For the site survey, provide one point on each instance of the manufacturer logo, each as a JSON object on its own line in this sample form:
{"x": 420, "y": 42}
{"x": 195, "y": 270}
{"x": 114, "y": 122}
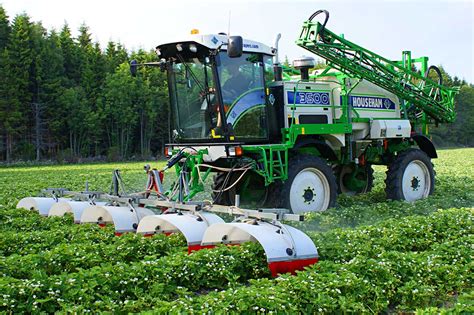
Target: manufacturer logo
{"x": 371, "y": 102}
{"x": 255, "y": 46}
{"x": 271, "y": 99}
{"x": 214, "y": 40}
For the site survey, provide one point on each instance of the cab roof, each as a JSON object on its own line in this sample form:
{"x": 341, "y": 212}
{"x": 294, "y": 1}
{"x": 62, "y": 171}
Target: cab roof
{"x": 211, "y": 42}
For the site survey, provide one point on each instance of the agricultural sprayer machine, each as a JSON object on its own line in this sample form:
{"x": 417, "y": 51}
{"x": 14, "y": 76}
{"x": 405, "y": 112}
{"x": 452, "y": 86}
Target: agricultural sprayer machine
{"x": 280, "y": 141}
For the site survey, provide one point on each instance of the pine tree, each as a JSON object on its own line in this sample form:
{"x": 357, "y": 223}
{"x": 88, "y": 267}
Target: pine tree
{"x": 9, "y": 108}
{"x": 37, "y": 78}
{"x": 4, "y": 28}
{"x": 70, "y": 53}
{"x": 119, "y": 109}
{"x": 93, "y": 71}
{"x": 4, "y": 82}
{"x": 65, "y": 96}
{"x": 19, "y": 77}
{"x": 116, "y": 54}
{"x": 50, "y": 77}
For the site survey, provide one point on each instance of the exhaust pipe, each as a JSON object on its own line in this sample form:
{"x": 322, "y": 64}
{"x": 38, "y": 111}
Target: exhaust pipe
{"x": 277, "y": 69}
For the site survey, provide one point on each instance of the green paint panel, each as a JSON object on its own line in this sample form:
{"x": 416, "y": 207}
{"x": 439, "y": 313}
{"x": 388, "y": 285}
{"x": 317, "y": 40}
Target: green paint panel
{"x": 320, "y": 129}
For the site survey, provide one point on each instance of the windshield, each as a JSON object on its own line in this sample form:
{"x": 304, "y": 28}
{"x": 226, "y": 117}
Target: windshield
{"x": 242, "y": 85}
{"x": 196, "y": 103}
{"x": 193, "y": 99}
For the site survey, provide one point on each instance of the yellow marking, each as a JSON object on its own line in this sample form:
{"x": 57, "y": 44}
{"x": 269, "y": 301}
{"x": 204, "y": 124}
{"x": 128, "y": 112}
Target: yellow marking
{"x": 213, "y": 134}
{"x": 295, "y": 120}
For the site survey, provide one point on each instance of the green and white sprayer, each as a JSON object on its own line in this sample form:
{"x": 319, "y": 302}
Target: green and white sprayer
{"x": 280, "y": 141}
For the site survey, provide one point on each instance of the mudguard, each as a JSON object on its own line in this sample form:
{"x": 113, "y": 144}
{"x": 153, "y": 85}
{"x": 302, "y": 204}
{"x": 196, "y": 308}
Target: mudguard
{"x": 192, "y": 226}
{"x": 40, "y": 204}
{"x": 75, "y": 207}
{"x": 124, "y": 219}
{"x": 287, "y": 249}
{"x": 425, "y": 145}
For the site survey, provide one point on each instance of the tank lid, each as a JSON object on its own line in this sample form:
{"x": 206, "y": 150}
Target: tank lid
{"x": 304, "y": 62}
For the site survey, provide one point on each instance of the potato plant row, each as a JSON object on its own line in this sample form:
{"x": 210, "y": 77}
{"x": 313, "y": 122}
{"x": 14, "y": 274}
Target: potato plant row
{"x": 103, "y": 287}
{"x": 32, "y": 241}
{"x": 154, "y": 279}
{"x": 22, "y": 220}
{"x": 394, "y": 280}
{"x": 70, "y": 257}
{"x": 415, "y": 233}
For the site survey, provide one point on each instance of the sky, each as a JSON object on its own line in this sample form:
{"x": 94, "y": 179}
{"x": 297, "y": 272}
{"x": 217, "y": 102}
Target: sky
{"x": 441, "y": 30}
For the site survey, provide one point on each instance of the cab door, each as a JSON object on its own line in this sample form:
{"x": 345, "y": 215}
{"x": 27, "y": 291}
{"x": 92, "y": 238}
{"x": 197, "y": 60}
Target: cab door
{"x": 242, "y": 86}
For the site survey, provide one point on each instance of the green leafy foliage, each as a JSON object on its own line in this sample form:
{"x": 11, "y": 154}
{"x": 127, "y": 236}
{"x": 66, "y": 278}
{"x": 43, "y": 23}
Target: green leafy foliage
{"x": 55, "y": 90}
{"x": 415, "y": 234}
{"x": 70, "y": 256}
{"x": 396, "y": 277}
{"x": 150, "y": 277}
{"x": 375, "y": 256}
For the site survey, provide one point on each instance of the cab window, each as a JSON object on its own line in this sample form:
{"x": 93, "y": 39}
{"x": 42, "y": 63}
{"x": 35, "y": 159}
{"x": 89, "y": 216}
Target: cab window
{"x": 242, "y": 86}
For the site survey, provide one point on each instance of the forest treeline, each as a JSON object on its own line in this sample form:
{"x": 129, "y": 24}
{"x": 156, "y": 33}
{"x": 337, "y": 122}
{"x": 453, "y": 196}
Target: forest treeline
{"x": 65, "y": 98}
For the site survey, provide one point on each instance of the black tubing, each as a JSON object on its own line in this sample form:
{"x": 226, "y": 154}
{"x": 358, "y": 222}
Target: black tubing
{"x": 436, "y": 69}
{"x": 319, "y": 12}
{"x": 324, "y": 23}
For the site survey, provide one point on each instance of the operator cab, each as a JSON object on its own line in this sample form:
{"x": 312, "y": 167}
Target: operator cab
{"x": 218, "y": 96}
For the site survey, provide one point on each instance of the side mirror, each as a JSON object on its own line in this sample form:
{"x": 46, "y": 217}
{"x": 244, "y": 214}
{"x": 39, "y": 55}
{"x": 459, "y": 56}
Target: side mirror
{"x": 133, "y": 68}
{"x": 235, "y": 46}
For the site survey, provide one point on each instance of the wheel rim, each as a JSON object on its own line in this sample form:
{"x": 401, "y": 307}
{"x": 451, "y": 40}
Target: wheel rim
{"x": 416, "y": 181}
{"x": 309, "y": 191}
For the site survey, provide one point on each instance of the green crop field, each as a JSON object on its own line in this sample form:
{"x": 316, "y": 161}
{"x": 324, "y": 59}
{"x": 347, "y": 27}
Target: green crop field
{"x": 376, "y": 256}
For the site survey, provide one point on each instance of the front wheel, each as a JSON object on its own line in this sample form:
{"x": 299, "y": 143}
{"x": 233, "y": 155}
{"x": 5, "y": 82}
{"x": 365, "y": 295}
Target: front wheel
{"x": 311, "y": 185}
{"x": 410, "y": 176}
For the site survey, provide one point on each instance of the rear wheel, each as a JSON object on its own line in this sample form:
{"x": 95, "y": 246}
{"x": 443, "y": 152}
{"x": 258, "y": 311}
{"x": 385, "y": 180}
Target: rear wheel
{"x": 311, "y": 185}
{"x": 410, "y": 177}
{"x": 354, "y": 179}
{"x": 251, "y": 188}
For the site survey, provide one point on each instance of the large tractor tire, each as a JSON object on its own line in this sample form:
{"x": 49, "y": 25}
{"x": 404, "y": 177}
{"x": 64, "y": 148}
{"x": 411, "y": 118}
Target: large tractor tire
{"x": 311, "y": 185}
{"x": 251, "y": 188}
{"x": 351, "y": 184}
{"x": 410, "y": 176}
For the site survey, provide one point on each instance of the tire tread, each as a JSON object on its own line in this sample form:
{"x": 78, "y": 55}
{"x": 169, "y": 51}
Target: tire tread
{"x": 393, "y": 180}
{"x": 296, "y": 164}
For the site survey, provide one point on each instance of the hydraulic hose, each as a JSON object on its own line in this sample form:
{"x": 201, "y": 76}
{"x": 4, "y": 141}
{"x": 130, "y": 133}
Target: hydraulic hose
{"x": 321, "y": 30}
{"x": 440, "y": 81}
{"x": 438, "y": 72}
